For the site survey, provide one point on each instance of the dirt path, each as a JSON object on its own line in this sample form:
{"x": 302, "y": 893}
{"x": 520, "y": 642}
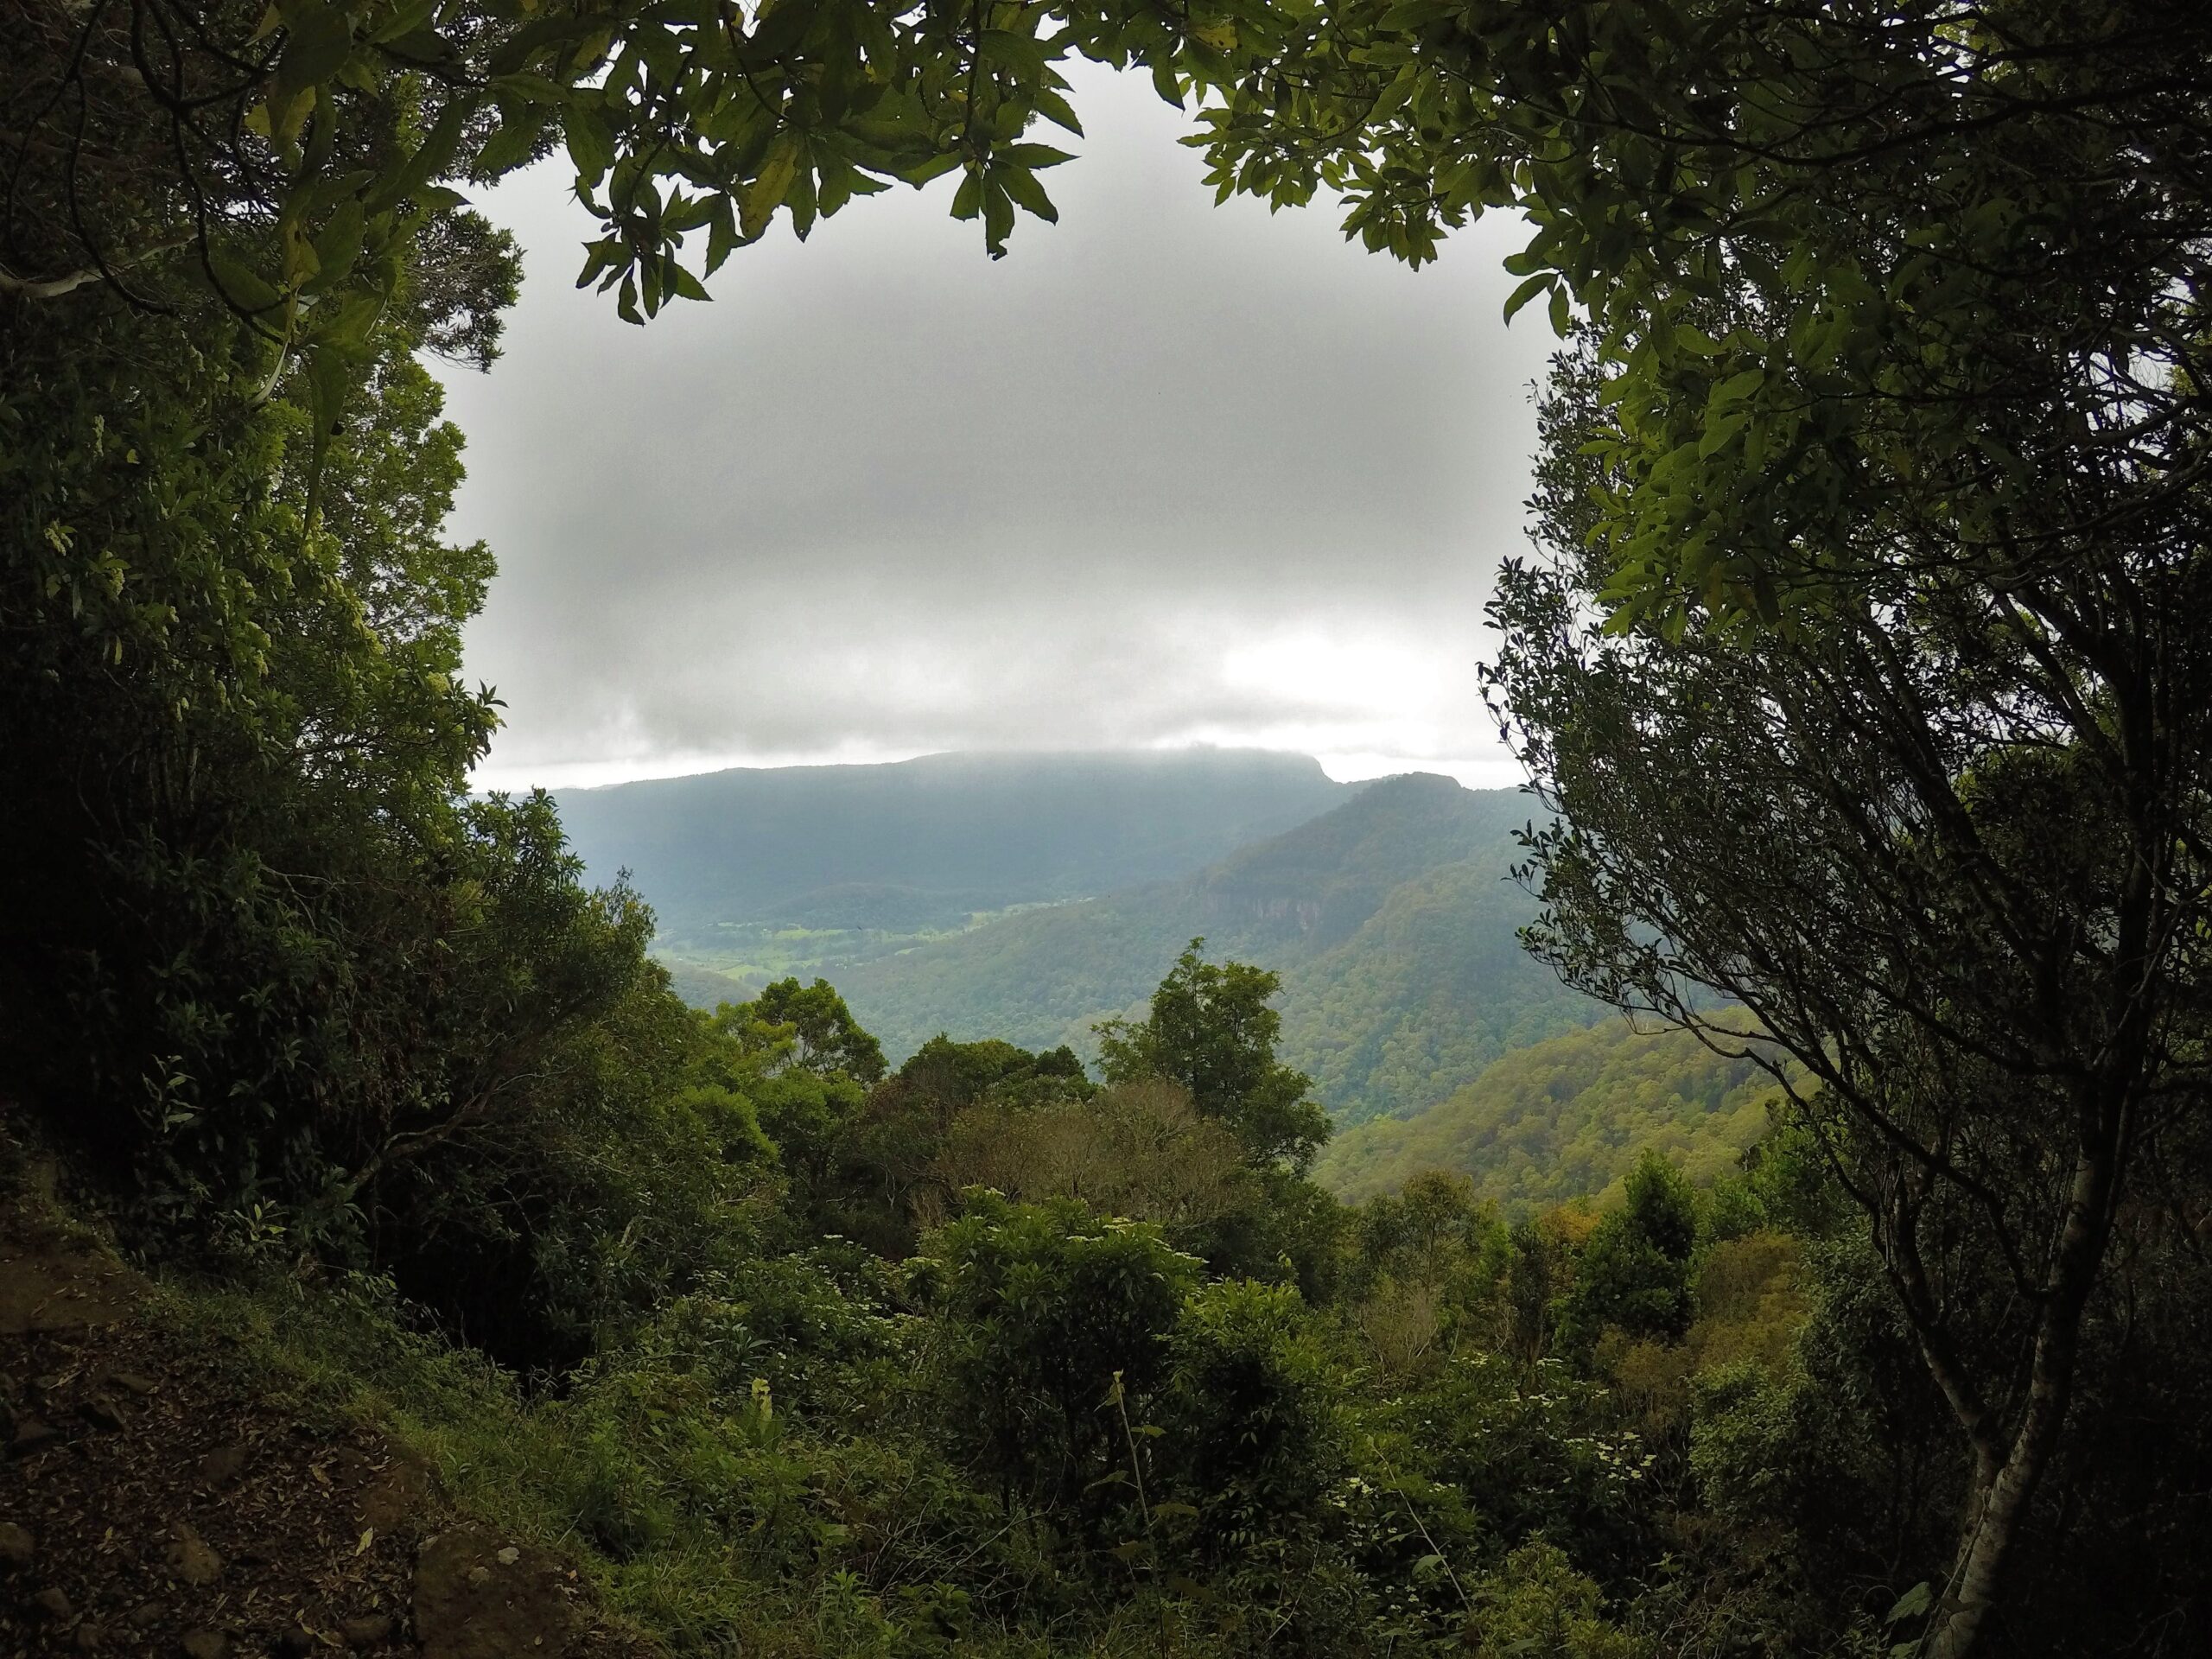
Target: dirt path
{"x": 150, "y": 1504}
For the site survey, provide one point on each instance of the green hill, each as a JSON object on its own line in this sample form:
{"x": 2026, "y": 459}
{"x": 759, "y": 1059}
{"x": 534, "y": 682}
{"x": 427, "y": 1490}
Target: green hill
{"x": 1391, "y": 919}
{"x": 1564, "y": 1118}
{"x": 922, "y": 846}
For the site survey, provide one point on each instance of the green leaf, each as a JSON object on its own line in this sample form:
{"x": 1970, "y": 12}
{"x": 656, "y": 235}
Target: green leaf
{"x": 1526, "y": 292}
{"x": 936, "y": 167}
{"x": 1032, "y": 155}
{"x": 318, "y": 39}
{"x": 1057, "y": 109}
{"x": 998, "y": 218}
{"x": 1736, "y": 388}
{"x": 968, "y": 200}
{"x": 1911, "y": 1605}
{"x": 242, "y": 285}
{"x": 758, "y": 205}
{"x": 525, "y": 89}
{"x": 1020, "y": 52}
{"x": 1719, "y": 430}
{"x": 432, "y": 156}
{"x": 591, "y": 145}
{"x": 345, "y": 323}
{"x": 721, "y": 237}
{"x": 338, "y": 245}
{"x": 1027, "y": 193}
{"x": 510, "y": 147}
{"x": 779, "y": 26}
{"x": 683, "y": 284}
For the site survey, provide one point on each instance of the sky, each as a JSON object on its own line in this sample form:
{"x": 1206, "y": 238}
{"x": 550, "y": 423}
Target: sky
{"x": 1169, "y": 473}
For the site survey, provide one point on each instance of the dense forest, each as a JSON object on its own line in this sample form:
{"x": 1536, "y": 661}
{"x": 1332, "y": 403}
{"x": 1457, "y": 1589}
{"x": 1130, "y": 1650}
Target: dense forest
{"x": 1859, "y": 663}
{"x": 1568, "y": 1118}
{"x": 1393, "y": 919}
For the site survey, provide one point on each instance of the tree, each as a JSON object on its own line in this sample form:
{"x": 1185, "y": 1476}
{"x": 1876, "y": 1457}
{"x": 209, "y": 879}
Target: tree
{"x": 1945, "y": 838}
{"x": 282, "y": 163}
{"x": 1956, "y": 299}
{"x": 828, "y": 1041}
{"x": 1253, "y": 1410}
{"x": 1634, "y": 1275}
{"x": 785, "y": 1054}
{"x": 1057, "y": 1320}
{"x": 1962, "y": 257}
{"x": 1137, "y": 1149}
{"x": 258, "y": 945}
{"x": 1209, "y": 1029}
{"x": 1897, "y": 508}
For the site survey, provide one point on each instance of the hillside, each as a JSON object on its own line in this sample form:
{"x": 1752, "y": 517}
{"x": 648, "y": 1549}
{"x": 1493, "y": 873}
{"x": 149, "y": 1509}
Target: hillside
{"x": 1565, "y": 1117}
{"x": 1391, "y": 919}
{"x": 923, "y": 845}
{"x": 174, "y": 1487}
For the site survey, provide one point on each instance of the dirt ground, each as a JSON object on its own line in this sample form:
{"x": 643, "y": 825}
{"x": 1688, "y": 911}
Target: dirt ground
{"x": 152, "y": 1504}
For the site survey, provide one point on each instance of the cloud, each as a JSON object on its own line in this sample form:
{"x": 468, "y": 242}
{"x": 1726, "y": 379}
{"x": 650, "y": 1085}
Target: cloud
{"x": 1168, "y": 473}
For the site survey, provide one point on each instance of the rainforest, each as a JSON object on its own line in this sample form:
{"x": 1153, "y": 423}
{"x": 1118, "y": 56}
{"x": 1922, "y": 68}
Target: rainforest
{"x": 1743, "y": 1189}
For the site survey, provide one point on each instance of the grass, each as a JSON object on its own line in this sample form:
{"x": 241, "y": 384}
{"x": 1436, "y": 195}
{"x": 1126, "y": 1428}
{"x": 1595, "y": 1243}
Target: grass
{"x": 700, "y": 1524}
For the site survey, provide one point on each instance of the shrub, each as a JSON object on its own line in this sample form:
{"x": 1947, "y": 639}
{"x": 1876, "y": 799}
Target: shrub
{"x": 1252, "y": 1412}
{"x": 1049, "y": 1310}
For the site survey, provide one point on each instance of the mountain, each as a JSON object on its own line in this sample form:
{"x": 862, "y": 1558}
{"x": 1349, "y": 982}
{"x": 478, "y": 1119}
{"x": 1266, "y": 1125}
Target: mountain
{"x": 924, "y": 845}
{"x": 1391, "y": 918}
{"x": 1566, "y": 1118}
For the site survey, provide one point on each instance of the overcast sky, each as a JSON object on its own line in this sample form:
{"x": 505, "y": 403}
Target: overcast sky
{"x": 1168, "y": 474}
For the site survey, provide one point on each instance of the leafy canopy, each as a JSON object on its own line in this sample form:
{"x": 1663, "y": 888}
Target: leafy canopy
{"x": 1209, "y": 1029}
{"x": 1954, "y": 251}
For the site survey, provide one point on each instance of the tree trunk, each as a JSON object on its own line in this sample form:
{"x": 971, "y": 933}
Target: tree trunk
{"x": 2002, "y": 1491}
{"x": 1977, "y": 1578}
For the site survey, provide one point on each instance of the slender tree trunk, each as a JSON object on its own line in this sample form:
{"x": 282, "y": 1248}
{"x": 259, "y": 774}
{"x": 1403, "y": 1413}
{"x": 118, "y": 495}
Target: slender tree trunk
{"x": 1977, "y": 1579}
{"x": 2005, "y": 1487}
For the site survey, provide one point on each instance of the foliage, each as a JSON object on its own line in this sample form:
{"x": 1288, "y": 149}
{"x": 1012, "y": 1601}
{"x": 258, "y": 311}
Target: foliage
{"x": 1975, "y": 1063}
{"x": 1209, "y": 1028}
{"x": 1057, "y": 1325}
{"x": 1253, "y": 1414}
{"x": 1565, "y": 1119}
{"x": 1861, "y": 675}
{"x": 1137, "y": 1149}
{"x": 1536, "y": 1603}
{"x": 257, "y": 937}
{"x": 828, "y": 1041}
{"x": 1634, "y": 1274}
{"x": 1390, "y": 917}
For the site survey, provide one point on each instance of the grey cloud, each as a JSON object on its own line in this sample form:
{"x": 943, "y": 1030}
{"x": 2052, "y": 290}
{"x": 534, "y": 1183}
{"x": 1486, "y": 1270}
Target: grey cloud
{"x": 885, "y": 494}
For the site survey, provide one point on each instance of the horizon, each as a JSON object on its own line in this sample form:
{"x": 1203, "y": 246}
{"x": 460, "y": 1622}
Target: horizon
{"x": 1477, "y": 773}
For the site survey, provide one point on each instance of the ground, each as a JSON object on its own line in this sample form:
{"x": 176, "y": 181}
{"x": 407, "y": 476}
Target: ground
{"x": 157, "y": 1498}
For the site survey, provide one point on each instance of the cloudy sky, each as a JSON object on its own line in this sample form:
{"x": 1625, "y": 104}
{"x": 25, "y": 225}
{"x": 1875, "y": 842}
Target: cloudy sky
{"x": 1168, "y": 474}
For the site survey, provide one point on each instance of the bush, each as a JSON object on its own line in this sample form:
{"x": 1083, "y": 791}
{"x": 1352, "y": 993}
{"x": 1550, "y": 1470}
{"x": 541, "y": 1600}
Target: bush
{"x": 1056, "y": 1321}
{"x": 1537, "y": 1607}
{"x": 1253, "y": 1413}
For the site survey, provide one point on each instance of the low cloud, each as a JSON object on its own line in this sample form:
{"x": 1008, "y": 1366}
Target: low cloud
{"x": 1168, "y": 473}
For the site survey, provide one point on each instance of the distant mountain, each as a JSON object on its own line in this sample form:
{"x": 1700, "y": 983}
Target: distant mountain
{"x": 1566, "y": 1119}
{"x": 924, "y": 845}
{"x": 1390, "y": 917}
